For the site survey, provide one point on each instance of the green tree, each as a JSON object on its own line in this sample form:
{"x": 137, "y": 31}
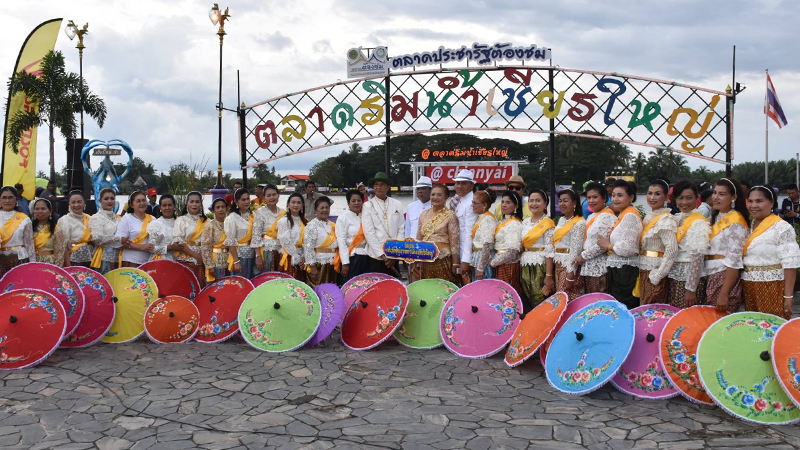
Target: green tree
{"x": 59, "y": 95}
{"x": 263, "y": 174}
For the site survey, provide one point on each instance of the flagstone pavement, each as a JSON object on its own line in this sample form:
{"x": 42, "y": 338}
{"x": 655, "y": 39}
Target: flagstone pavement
{"x": 229, "y": 396}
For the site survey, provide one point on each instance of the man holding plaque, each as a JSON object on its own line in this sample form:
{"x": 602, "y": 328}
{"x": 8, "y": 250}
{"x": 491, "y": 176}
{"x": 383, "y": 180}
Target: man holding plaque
{"x": 382, "y": 220}
{"x": 413, "y": 211}
{"x": 461, "y": 204}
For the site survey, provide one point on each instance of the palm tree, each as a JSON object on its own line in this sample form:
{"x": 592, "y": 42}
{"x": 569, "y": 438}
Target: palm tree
{"x": 59, "y": 95}
{"x": 355, "y": 148}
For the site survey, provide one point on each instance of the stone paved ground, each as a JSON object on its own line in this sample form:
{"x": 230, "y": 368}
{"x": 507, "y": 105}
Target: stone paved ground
{"x": 230, "y": 396}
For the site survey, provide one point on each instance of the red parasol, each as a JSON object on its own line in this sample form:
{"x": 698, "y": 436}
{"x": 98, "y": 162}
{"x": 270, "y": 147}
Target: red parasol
{"x": 374, "y": 316}
{"x": 171, "y": 320}
{"x": 172, "y": 278}
{"x": 262, "y": 278}
{"x": 219, "y": 304}
{"x": 25, "y": 314}
{"x": 100, "y": 308}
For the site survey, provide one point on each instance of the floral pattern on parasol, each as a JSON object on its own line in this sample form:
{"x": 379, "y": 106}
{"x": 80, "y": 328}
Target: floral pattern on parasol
{"x": 583, "y": 374}
{"x": 4, "y": 357}
{"x": 683, "y": 365}
{"x": 65, "y": 287}
{"x": 40, "y": 301}
{"x": 590, "y": 314}
{"x": 755, "y": 402}
{"x": 139, "y": 284}
{"x": 652, "y": 379}
{"x": 450, "y": 323}
{"x": 388, "y": 318}
{"x": 259, "y": 331}
{"x": 213, "y": 329}
{"x": 508, "y": 308}
{"x": 768, "y": 326}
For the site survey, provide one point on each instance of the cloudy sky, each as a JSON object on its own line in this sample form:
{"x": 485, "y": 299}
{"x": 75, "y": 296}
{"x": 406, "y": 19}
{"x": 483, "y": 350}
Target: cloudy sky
{"x": 156, "y": 62}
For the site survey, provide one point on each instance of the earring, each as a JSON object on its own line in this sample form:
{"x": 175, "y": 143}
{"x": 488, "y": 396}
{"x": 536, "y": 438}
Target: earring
{"x": 733, "y": 204}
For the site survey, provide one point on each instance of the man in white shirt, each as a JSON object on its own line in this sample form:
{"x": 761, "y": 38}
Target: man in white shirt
{"x": 423, "y": 202}
{"x": 382, "y": 220}
{"x": 461, "y": 204}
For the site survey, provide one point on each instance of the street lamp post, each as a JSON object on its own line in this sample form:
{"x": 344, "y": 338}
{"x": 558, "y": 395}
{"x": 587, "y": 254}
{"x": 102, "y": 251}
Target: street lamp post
{"x": 218, "y": 17}
{"x": 72, "y": 30}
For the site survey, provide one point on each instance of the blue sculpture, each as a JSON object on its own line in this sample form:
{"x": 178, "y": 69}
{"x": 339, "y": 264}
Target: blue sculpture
{"x": 105, "y": 176}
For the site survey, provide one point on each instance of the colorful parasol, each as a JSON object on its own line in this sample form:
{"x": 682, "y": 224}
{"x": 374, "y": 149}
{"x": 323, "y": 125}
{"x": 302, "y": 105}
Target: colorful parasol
{"x": 480, "y": 318}
{"x": 573, "y": 306}
{"x": 280, "y": 315}
{"x": 420, "y": 327}
{"x": 357, "y": 285}
{"x": 590, "y": 347}
{"x": 785, "y": 354}
{"x": 99, "y": 311}
{"x": 172, "y": 278}
{"x": 32, "y": 324}
{"x": 171, "y": 320}
{"x": 219, "y": 304}
{"x": 642, "y": 374}
{"x": 331, "y": 303}
{"x": 535, "y": 328}
{"x": 733, "y": 360}
{"x": 375, "y": 315}
{"x": 678, "y": 349}
{"x": 53, "y": 280}
{"x": 262, "y": 278}
{"x": 134, "y": 291}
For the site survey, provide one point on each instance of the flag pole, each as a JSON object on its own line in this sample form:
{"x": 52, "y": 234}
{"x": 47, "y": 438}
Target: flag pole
{"x": 766, "y": 128}
{"x": 797, "y": 169}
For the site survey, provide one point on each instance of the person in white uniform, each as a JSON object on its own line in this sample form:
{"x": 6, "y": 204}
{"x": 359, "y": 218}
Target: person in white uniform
{"x": 382, "y": 219}
{"x": 414, "y": 209}
{"x": 461, "y": 204}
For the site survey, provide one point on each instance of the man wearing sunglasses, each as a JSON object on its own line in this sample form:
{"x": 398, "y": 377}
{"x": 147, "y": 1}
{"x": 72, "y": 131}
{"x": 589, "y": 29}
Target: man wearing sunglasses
{"x": 517, "y": 184}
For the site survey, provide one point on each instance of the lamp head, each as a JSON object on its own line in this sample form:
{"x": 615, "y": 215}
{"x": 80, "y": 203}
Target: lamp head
{"x": 214, "y": 14}
{"x": 71, "y": 30}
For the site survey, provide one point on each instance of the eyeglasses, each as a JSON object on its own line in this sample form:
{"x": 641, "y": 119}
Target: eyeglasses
{"x": 6, "y": 198}
{"x": 514, "y": 187}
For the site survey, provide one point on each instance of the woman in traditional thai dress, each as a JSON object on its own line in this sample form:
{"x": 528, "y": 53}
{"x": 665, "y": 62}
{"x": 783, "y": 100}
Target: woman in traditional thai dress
{"x": 187, "y": 232}
{"x": 536, "y": 262}
{"x": 75, "y": 241}
{"x": 44, "y": 227}
{"x": 622, "y": 244}
{"x": 320, "y": 245}
{"x": 103, "y": 225}
{"x": 291, "y": 229}
{"x": 352, "y": 257}
{"x": 729, "y": 230}
{"x": 132, "y": 230}
{"x": 771, "y": 257}
{"x": 265, "y": 231}
{"x": 508, "y": 240}
{"x": 592, "y": 259}
{"x": 483, "y": 235}
{"x": 16, "y": 235}
{"x": 568, "y": 244}
{"x": 160, "y": 230}
{"x": 439, "y": 225}
{"x": 239, "y": 233}
{"x": 658, "y": 245}
{"x": 686, "y": 285}
{"x": 212, "y": 242}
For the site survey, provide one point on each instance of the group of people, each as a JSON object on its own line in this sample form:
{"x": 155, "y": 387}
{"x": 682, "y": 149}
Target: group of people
{"x": 744, "y": 252}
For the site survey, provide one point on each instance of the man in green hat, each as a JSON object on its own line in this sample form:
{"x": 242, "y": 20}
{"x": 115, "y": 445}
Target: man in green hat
{"x": 382, "y": 220}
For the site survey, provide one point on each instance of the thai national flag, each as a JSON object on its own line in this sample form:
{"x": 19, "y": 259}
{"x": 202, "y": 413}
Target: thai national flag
{"x": 773, "y": 107}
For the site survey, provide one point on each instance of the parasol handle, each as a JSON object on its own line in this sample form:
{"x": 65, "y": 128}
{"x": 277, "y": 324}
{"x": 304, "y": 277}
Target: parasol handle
{"x": 364, "y": 304}
{"x": 474, "y": 308}
{"x": 114, "y": 299}
{"x": 12, "y": 319}
{"x": 578, "y": 336}
{"x": 171, "y": 314}
{"x": 522, "y": 316}
{"x": 277, "y": 305}
{"x": 211, "y": 299}
{"x": 422, "y": 303}
{"x": 650, "y": 337}
{"x": 765, "y": 356}
{"x": 162, "y": 296}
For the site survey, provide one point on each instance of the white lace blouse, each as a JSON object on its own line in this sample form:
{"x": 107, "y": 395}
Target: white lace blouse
{"x": 160, "y": 235}
{"x": 729, "y": 243}
{"x": 263, "y": 220}
{"x": 532, "y": 258}
{"x": 507, "y": 243}
{"x": 103, "y": 225}
{"x": 688, "y": 265}
{"x": 347, "y": 226}
{"x": 288, "y": 238}
{"x": 236, "y": 226}
{"x": 777, "y": 247}
{"x": 71, "y": 228}
{"x": 316, "y": 233}
{"x": 22, "y": 236}
{"x": 625, "y": 242}
{"x": 662, "y": 238}
{"x": 484, "y": 236}
{"x": 181, "y": 233}
{"x": 573, "y": 242}
{"x": 594, "y": 256}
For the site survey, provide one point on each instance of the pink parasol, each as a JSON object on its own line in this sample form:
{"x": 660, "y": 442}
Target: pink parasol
{"x": 331, "y": 303}
{"x": 642, "y": 374}
{"x": 100, "y": 308}
{"x": 262, "y": 278}
{"x": 357, "y": 285}
{"x": 172, "y": 278}
{"x": 480, "y": 318}
{"x": 572, "y": 307}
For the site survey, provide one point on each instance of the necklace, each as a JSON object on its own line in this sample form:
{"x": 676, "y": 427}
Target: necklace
{"x": 384, "y": 208}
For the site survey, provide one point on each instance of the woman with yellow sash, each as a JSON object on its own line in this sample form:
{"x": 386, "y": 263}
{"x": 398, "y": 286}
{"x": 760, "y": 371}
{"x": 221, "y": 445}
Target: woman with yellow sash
{"x": 239, "y": 232}
{"x": 291, "y": 228}
{"x": 320, "y": 245}
{"x": 44, "y": 227}
{"x": 265, "y": 231}
{"x": 568, "y": 243}
{"x": 16, "y": 235}
{"x": 508, "y": 240}
{"x": 103, "y": 225}
{"x": 352, "y": 258}
{"x": 686, "y": 285}
{"x": 160, "y": 230}
{"x": 771, "y": 257}
{"x": 482, "y": 235}
{"x": 186, "y": 234}
{"x": 658, "y": 245}
{"x": 729, "y": 230}
{"x": 439, "y": 225}
{"x": 592, "y": 259}
{"x": 536, "y": 263}
{"x": 75, "y": 237}
{"x": 622, "y": 244}
{"x": 132, "y": 230}
{"x": 212, "y": 242}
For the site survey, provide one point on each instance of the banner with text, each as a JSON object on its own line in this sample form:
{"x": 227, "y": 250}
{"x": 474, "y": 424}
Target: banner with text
{"x": 483, "y": 174}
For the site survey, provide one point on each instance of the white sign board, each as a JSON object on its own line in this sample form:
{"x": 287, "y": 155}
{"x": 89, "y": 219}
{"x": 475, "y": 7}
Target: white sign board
{"x": 360, "y": 66}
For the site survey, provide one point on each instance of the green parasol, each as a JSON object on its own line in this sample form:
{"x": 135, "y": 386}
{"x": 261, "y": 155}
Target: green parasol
{"x": 280, "y": 315}
{"x": 735, "y": 367}
{"x": 420, "y": 327}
